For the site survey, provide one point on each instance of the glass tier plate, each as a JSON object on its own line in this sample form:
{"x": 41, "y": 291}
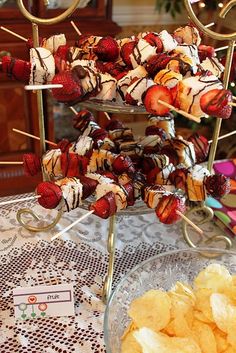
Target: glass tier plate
{"x": 139, "y": 208}
{"x": 112, "y": 107}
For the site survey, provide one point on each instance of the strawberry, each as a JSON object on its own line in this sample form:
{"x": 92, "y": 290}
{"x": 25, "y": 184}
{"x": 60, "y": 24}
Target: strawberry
{"x": 73, "y": 165}
{"x": 216, "y": 103}
{"x": 206, "y": 51}
{"x": 171, "y": 153}
{"x": 167, "y": 207}
{"x": 151, "y": 175}
{"x": 107, "y": 49}
{"x": 89, "y": 186}
{"x": 16, "y": 69}
{"x": 129, "y": 188}
{"x": 61, "y": 58}
{"x": 153, "y": 39}
{"x": 122, "y": 164}
{"x": 105, "y": 206}
{"x": 98, "y": 134}
{"x": 80, "y": 118}
{"x": 155, "y": 130}
{"x": 217, "y": 185}
{"x": 64, "y": 145}
{"x": 50, "y": 193}
{"x": 178, "y": 178}
{"x": 71, "y": 92}
{"x": 201, "y": 146}
{"x": 157, "y": 63}
{"x": 109, "y": 175}
{"x": 114, "y": 124}
{"x": 31, "y": 163}
{"x": 151, "y": 97}
{"x": 126, "y": 51}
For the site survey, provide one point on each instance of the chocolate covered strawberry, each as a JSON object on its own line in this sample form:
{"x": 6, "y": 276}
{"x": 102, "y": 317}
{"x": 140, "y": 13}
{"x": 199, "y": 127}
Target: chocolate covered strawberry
{"x": 64, "y": 145}
{"x": 157, "y": 63}
{"x": 151, "y": 100}
{"x": 80, "y": 118}
{"x": 31, "y": 164}
{"x": 50, "y": 194}
{"x": 155, "y": 130}
{"x": 216, "y": 103}
{"x": 129, "y": 188}
{"x": 179, "y": 178}
{"x": 217, "y": 185}
{"x": 114, "y": 124}
{"x": 167, "y": 208}
{"x": 123, "y": 164}
{"x": 109, "y": 175}
{"x": 105, "y": 206}
{"x": 107, "y": 49}
{"x": 89, "y": 186}
{"x": 201, "y": 146}
{"x": 16, "y": 69}
{"x": 153, "y": 39}
{"x": 73, "y": 165}
{"x": 62, "y": 58}
{"x": 126, "y": 51}
{"x": 71, "y": 92}
{"x": 206, "y": 51}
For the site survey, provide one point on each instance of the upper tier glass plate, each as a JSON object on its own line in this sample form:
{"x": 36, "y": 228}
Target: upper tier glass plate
{"x": 112, "y": 107}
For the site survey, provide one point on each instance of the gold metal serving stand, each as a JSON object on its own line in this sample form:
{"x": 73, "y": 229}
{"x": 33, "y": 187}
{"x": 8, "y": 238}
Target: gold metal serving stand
{"x": 208, "y": 213}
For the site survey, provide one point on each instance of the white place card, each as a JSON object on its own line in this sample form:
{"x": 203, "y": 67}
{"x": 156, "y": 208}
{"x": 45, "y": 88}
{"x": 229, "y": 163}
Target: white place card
{"x": 43, "y": 301}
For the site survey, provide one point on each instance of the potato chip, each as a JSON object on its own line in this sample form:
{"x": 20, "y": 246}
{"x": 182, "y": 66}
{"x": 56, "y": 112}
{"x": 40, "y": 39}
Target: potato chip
{"x": 224, "y": 313}
{"x": 203, "y": 302}
{"x": 131, "y": 327}
{"x": 156, "y": 342}
{"x": 130, "y": 345}
{"x": 221, "y": 341}
{"x": 215, "y": 277}
{"x": 205, "y": 337}
{"x": 152, "y": 310}
{"x": 199, "y": 315}
{"x": 181, "y": 327}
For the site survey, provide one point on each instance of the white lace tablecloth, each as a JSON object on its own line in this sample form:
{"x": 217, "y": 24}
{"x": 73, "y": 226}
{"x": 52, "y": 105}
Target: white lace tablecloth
{"x": 80, "y": 257}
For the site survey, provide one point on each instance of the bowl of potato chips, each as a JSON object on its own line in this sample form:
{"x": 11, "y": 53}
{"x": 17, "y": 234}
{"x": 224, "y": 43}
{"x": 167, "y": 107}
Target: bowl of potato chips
{"x": 182, "y": 301}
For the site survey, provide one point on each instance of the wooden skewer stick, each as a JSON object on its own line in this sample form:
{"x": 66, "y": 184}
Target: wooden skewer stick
{"x": 38, "y": 87}
{"x": 232, "y": 104}
{"x": 76, "y": 28}
{"x": 73, "y": 110}
{"x": 200, "y": 231}
{"x": 19, "y": 200}
{"x": 182, "y": 112}
{"x": 234, "y": 98}
{"x": 107, "y": 115}
{"x": 223, "y": 48}
{"x": 71, "y": 225}
{"x": 210, "y": 25}
{"x": 33, "y": 136}
{"x": 10, "y": 162}
{"x": 224, "y": 136}
{"x": 14, "y": 33}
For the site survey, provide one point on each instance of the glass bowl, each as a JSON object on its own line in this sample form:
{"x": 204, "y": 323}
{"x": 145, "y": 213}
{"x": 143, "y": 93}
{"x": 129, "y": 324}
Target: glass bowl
{"x": 161, "y": 271}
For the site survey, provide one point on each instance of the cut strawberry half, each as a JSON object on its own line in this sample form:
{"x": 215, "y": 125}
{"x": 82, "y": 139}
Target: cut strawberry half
{"x": 151, "y": 176}
{"x": 216, "y": 103}
{"x": 81, "y": 117}
{"x": 153, "y": 39}
{"x": 105, "y": 206}
{"x": 123, "y": 164}
{"x": 205, "y": 51}
{"x": 64, "y": 145}
{"x": 126, "y": 51}
{"x": 50, "y": 194}
{"x": 167, "y": 207}
{"x": 107, "y": 49}
{"x": 31, "y": 164}
{"x": 114, "y": 124}
{"x": 109, "y": 175}
{"x": 217, "y": 185}
{"x": 155, "y": 130}
{"x": 73, "y": 165}
{"x": 157, "y": 63}
{"x": 151, "y": 100}
{"x": 89, "y": 186}
{"x": 179, "y": 177}
{"x": 201, "y": 146}
{"x": 129, "y": 188}
{"x": 71, "y": 92}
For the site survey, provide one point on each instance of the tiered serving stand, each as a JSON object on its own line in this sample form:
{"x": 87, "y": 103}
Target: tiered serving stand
{"x": 139, "y": 208}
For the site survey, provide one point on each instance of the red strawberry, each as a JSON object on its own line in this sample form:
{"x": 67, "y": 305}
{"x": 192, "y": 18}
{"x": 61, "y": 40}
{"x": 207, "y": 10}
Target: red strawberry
{"x": 98, "y": 134}
{"x": 71, "y": 92}
{"x": 167, "y": 207}
{"x": 109, "y": 175}
{"x": 129, "y": 188}
{"x": 126, "y": 51}
{"x": 64, "y": 145}
{"x": 80, "y": 118}
{"x": 114, "y": 124}
{"x": 16, "y": 69}
{"x": 153, "y": 39}
{"x": 89, "y": 186}
{"x": 31, "y": 163}
{"x": 73, "y": 165}
{"x": 50, "y": 193}
{"x": 62, "y": 57}
{"x": 152, "y": 96}
{"x": 122, "y": 164}
{"x": 151, "y": 176}
{"x": 201, "y": 147}
{"x": 157, "y": 63}
{"x": 107, "y": 49}
{"x": 154, "y": 130}
{"x": 205, "y": 51}
{"x": 216, "y": 103}
{"x": 178, "y": 178}
{"x": 217, "y": 185}
{"x": 105, "y": 206}
{"x": 171, "y": 153}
